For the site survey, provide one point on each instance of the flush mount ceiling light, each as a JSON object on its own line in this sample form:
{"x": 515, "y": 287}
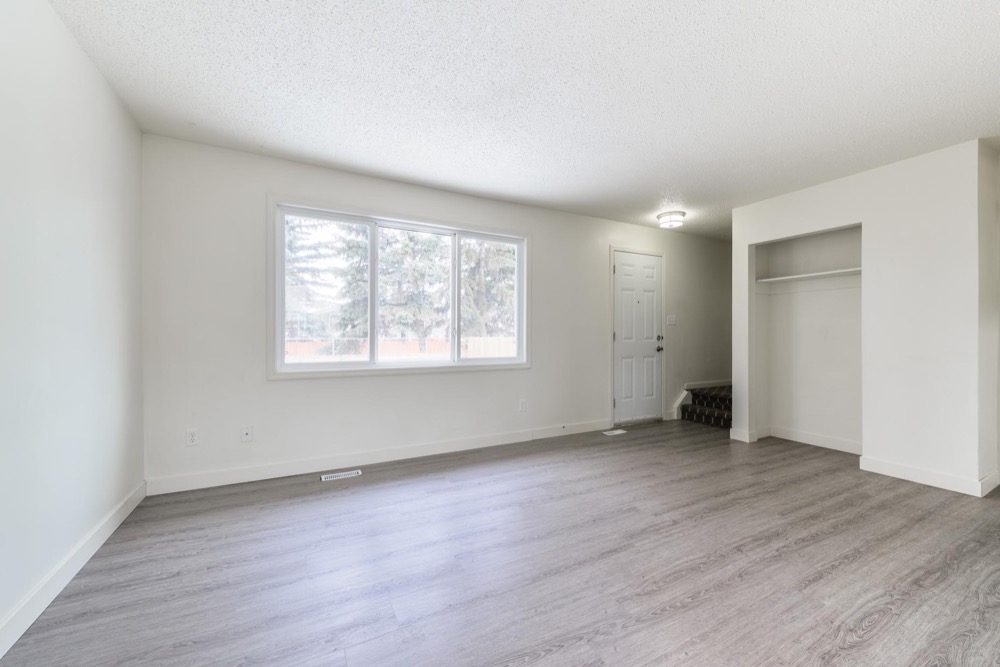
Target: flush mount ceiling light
{"x": 671, "y": 219}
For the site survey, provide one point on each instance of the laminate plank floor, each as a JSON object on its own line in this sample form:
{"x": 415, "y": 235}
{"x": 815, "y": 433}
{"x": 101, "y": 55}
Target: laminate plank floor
{"x": 669, "y": 545}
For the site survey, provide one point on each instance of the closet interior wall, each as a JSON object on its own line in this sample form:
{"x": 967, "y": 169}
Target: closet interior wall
{"x": 809, "y": 338}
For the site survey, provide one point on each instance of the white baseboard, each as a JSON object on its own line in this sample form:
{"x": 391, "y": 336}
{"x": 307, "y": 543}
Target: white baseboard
{"x": 210, "y": 478}
{"x": 24, "y": 613}
{"x": 551, "y": 432}
{"x": 988, "y": 483}
{"x": 743, "y": 435}
{"x": 970, "y": 486}
{"x": 818, "y": 439}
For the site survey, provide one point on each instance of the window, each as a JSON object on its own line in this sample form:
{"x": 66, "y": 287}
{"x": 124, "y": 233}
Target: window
{"x": 355, "y": 293}
{"x": 488, "y": 281}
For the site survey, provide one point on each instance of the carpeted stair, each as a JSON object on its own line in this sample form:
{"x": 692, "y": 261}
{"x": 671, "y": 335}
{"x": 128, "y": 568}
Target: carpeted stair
{"x": 710, "y": 405}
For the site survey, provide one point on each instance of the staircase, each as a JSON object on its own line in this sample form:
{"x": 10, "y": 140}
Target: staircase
{"x": 710, "y": 405}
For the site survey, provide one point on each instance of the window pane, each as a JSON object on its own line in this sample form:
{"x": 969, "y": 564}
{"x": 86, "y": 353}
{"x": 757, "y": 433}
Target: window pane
{"x": 414, "y": 295}
{"x": 489, "y": 299}
{"x": 326, "y": 290}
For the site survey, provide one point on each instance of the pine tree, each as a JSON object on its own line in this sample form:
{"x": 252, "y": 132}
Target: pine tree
{"x": 305, "y": 259}
{"x": 489, "y": 297}
{"x": 351, "y": 273}
{"x": 308, "y": 272}
{"x": 414, "y": 285}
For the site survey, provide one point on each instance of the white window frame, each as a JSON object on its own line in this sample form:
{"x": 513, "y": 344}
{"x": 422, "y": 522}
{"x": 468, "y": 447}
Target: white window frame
{"x": 278, "y": 369}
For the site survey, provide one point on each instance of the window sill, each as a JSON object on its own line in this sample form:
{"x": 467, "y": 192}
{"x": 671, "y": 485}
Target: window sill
{"x": 373, "y": 371}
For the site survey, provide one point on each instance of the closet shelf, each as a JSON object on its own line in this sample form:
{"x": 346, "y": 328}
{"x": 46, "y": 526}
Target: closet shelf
{"x": 855, "y": 271}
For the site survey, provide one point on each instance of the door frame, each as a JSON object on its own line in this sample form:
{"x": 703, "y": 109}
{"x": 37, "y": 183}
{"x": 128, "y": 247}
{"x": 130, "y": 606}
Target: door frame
{"x": 663, "y": 321}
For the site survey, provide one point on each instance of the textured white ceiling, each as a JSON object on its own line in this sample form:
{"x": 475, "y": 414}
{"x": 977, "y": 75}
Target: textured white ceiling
{"x": 613, "y": 108}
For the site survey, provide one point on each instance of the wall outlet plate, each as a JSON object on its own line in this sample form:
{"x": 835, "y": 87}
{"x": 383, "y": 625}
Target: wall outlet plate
{"x": 246, "y": 434}
{"x": 191, "y": 438}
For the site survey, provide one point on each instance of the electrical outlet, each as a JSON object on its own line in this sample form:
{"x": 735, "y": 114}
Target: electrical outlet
{"x": 246, "y": 434}
{"x": 522, "y": 405}
{"x": 191, "y": 438}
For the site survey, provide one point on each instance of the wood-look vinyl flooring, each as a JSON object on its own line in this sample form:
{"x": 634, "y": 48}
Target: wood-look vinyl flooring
{"x": 669, "y": 545}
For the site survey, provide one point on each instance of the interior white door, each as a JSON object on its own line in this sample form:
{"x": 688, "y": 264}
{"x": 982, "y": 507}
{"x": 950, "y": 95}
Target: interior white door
{"x": 637, "y": 337}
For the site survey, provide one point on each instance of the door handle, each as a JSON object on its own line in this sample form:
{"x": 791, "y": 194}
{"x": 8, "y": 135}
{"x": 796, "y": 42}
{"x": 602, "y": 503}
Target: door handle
{"x": 659, "y": 348}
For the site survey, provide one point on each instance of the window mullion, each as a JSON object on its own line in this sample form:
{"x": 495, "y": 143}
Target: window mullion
{"x": 279, "y": 287}
{"x": 521, "y": 314}
{"x": 373, "y": 293}
{"x": 456, "y": 293}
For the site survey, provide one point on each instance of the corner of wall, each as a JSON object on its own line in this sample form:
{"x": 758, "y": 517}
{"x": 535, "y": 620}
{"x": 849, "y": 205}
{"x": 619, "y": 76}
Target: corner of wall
{"x": 989, "y": 310}
{"x": 73, "y": 378}
{"x": 24, "y": 613}
{"x": 996, "y": 185}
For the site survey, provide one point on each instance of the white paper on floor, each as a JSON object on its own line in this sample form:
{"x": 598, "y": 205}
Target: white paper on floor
{"x": 617, "y": 431}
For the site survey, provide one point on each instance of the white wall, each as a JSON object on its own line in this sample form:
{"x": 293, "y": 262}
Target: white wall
{"x": 814, "y": 361}
{"x": 921, "y": 311}
{"x": 204, "y": 226}
{"x": 71, "y": 457}
{"x": 815, "y": 253}
{"x": 812, "y": 332}
{"x": 996, "y": 182}
{"x": 989, "y": 307}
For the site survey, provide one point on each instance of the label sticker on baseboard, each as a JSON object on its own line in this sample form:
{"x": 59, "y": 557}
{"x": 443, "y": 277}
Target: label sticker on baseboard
{"x": 617, "y": 431}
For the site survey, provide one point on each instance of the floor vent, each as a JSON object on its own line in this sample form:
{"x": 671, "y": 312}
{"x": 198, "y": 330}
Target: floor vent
{"x": 329, "y": 477}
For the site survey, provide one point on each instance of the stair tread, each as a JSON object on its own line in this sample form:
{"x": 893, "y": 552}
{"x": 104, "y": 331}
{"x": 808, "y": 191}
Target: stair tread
{"x": 722, "y": 391}
{"x": 719, "y": 397}
{"x": 706, "y": 410}
{"x": 719, "y": 405}
{"x": 712, "y": 406}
